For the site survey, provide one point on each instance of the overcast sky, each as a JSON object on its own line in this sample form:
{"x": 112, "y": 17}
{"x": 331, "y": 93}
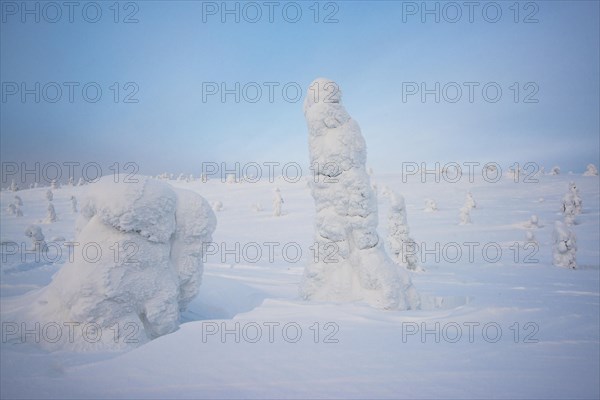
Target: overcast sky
{"x": 378, "y": 52}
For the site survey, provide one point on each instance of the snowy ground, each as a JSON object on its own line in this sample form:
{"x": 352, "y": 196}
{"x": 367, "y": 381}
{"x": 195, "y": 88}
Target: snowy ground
{"x": 514, "y": 328}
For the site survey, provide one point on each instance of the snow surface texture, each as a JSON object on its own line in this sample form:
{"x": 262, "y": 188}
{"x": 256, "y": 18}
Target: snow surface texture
{"x": 346, "y": 207}
{"x": 559, "y": 359}
{"x": 148, "y": 270}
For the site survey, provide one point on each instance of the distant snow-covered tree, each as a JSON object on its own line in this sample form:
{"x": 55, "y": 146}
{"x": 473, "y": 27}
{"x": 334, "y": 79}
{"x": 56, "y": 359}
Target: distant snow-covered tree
{"x": 530, "y": 236}
{"x": 230, "y": 178}
{"x": 73, "y": 204}
{"x": 18, "y": 200}
{"x": 571, "y": 204}
{"x": 12, "y": 209}
{"x": 470, "y": 201}
{"x": 37, "y": 237}
{"x": 217, "y": 206}
{"x": 534, "y": 221}
{"x": 464, "y": 215}
{"x": 54, "y": 184}
{"x": 277, "y": 202}
{"x": 565, "y": 246}
{"x": 49, "y": 195}
{"x": 591, "y": 170}
{"x": 51, "y": 215}
{"x": 71, "y": 181}
{"x": 402, "y": 246}
{"x": 81, "y": 182}
{"x": 555, "y": 170}
{"x": 430, "y": 205}
{"x": 13, "y": 186}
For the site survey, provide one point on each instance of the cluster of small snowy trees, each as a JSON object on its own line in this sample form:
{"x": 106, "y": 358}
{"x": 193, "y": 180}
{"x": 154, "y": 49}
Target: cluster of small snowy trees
{"x": 565, "y": 241}
{"x": 158, "y": 232}
{"x": 346, "y": 211}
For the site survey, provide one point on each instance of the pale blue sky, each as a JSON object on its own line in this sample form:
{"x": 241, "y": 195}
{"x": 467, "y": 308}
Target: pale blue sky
{"x": 370, "y": 52}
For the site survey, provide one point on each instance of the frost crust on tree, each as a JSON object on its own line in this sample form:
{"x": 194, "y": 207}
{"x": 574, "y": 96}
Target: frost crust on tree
{"x": 350, "y": 263}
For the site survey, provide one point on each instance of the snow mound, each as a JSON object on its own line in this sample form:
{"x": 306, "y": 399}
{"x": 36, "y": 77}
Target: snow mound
{"x": 142, "y": 266}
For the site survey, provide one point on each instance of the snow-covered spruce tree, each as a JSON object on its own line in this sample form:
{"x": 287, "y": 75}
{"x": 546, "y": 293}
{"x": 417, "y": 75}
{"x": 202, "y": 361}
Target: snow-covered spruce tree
{"x": 571, "y": 204}
{"x": 54, "y": 184}
{"x": 534, "y": 222}
{"x": 464, "y": 215}
{"x": 217, "y": 206}
{"x": 37, "y": 238}
{"x": 71, "y": 181}
{"x": 349, "y": 263}
{"x": 530, "y": 236}
{"x": 591, "y": 170}
{"x": 51, "y": 215}
{"x": 402, "y": 246}
{"x": 13, "y": 186}
{"x": 430, "y": 205}
{"x": 73, "y": 204}
{"x": 230, "y": 178}
{"x": 277, "y": 202}
{"x": 12, "y": 209}
{"x": 151, "y": 238}
{"x": 470, "y": 201}
{"x": 18, "y": 200}
{"x": 565, "y": 246}
{"x": 555, "y": 170}
{"x": 49, "y": 195}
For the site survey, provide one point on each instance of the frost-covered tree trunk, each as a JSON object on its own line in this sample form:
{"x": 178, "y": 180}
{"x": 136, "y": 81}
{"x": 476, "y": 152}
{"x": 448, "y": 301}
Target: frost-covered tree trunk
{"x": 565, "y": 246}
{"x": 277, "y": 202}
{"x": 402, "y": 245}
{"x": 350, "y": 263}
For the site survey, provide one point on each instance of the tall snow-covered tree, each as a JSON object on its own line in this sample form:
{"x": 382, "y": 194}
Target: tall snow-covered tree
{"x": 51, "y": 215}
{"x": 73, "y": 204}
{"x": 349, "y": 263}
{"x": 49, "y": 195}
{"x": 277, "y": 202}
{"x": 571, "y": 204}
{"x": 402, "y": 246}
{"x": 565, "y": 246}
